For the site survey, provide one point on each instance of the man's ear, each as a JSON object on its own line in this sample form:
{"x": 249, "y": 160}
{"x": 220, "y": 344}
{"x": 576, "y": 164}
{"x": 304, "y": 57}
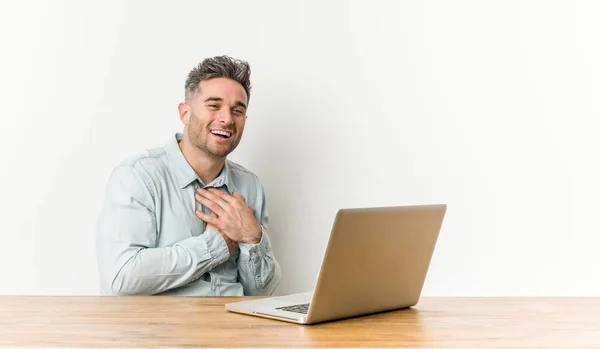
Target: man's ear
{"x": 184, "y": 112}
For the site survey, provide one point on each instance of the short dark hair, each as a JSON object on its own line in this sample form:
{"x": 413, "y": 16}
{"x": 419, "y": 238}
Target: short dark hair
{"x": 219, "y": 67}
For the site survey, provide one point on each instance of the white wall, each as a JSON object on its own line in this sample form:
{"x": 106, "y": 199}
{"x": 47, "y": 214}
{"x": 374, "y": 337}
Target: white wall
{"x": 489, "y": 107}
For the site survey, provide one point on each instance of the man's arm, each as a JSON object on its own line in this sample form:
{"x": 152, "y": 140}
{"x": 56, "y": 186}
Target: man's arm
{"x": 129, "y": 261}
{"x": 258, "y": 270}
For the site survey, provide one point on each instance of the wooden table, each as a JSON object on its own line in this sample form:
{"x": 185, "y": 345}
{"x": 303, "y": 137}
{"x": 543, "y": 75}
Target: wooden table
{"x": 193, "y": 322}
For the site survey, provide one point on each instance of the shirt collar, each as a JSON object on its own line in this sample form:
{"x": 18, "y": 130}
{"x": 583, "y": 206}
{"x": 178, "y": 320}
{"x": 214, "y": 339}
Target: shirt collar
{"x": 186, "y": 175}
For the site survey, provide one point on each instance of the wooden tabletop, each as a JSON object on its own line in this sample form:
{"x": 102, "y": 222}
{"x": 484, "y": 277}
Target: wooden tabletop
{"x": 194, "y": 322}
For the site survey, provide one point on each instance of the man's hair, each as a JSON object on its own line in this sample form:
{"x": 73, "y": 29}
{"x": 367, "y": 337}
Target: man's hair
{"x": 219, "y": 67}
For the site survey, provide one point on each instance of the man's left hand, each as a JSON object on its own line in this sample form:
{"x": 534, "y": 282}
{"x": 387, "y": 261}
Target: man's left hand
{"x": 234, "y": 218}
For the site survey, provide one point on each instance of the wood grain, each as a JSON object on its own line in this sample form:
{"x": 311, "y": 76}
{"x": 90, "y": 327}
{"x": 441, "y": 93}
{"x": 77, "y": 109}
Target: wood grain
{"x": 202, "y": 322}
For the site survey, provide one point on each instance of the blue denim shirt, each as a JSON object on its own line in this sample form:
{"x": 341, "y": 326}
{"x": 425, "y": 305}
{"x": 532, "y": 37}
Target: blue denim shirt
{"x": 149, "y": 240}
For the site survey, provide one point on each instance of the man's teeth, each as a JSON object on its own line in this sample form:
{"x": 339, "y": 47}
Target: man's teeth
{"x": 221, "y": 133}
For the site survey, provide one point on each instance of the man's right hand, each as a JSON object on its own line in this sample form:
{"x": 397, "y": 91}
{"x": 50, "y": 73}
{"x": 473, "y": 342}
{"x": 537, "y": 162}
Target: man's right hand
{"x": 231, "y": 245}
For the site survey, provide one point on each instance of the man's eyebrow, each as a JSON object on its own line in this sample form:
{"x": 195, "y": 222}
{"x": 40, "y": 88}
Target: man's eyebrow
{"x": 241, "y": 104}
{"x": 218, "y": 99}
{"x": 214, "y": 99}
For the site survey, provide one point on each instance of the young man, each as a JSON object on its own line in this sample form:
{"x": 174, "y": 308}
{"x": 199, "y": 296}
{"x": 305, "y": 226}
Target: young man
{"x": 182, "y": 219}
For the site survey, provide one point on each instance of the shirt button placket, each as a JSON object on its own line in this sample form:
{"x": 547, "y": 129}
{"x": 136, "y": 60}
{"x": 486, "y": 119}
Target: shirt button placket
{"x": 215, "y": 286}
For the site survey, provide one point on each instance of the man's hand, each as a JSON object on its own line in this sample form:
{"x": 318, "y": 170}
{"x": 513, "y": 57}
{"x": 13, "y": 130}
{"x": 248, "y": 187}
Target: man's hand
{"x": 233, "y": 217}
{"x": 232, "y": 246}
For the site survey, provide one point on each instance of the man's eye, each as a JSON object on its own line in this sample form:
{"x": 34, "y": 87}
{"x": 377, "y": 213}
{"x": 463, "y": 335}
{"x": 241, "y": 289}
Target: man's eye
{"x": 238, "y": 111}
{"x": 214, "y": 106}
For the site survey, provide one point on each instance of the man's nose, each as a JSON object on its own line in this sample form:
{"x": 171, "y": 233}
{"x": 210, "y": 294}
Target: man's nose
{"x": 225, "y": 117}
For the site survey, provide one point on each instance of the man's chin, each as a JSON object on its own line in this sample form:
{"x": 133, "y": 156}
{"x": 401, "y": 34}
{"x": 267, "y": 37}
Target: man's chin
{"x": 219, "y": 153}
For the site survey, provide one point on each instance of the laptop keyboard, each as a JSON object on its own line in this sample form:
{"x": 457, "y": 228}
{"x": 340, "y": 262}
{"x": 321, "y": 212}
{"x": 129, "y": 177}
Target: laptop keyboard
{"x": 298, "y": 308}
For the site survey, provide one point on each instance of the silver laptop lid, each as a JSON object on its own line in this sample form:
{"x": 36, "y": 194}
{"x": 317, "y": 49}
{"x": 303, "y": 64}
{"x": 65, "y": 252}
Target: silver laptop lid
{"x": 376, "y": 260}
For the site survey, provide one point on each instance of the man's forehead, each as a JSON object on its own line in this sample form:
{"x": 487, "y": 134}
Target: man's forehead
{"x": 222, "y": 88}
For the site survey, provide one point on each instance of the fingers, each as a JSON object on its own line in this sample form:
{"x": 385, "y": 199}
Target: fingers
{"x": 215, "y": 205}
{"x": 208, "y": 225}
{"x": 218, "y": 196}
{"x": 238, "y": 196}
{"x": 221, "y": 198}
{"x": 211, "y": 219}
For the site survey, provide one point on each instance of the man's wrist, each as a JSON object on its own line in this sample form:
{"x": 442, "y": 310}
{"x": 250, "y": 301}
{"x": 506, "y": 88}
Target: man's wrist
{"x": 254, "y": 238}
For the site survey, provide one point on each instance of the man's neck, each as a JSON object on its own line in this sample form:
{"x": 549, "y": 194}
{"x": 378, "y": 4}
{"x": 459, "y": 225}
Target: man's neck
{"x": 205, "y": 166}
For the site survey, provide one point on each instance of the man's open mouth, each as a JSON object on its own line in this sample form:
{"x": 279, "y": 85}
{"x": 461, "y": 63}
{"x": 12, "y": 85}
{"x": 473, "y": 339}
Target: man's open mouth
{"x": 221, "y": 133}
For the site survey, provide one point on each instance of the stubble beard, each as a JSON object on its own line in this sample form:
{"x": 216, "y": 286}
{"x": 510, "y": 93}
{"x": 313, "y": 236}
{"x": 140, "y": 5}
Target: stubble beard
{"x": 200, "y": 142}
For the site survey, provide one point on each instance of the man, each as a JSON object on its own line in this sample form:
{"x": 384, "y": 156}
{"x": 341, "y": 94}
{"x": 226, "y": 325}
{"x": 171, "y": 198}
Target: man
{"x": 182, "y": 219}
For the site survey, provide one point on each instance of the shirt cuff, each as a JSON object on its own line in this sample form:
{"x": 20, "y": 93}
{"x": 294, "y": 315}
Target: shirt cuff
{"x": 217, "y": 247}
{"x": 259, "y": 249}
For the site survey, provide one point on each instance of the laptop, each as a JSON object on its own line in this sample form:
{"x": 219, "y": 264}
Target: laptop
{"x": 376, "y": 260}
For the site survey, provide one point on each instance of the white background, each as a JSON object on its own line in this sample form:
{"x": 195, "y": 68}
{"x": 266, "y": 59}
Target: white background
{"x": 489, "y": 107}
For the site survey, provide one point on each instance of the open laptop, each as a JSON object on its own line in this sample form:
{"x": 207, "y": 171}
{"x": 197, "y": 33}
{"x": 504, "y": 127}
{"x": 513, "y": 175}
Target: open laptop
{"x": 376, "y": 260}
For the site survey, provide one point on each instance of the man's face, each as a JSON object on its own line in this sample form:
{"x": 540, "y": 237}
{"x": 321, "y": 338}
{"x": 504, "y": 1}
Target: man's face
{"x": 215, "y": 116}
